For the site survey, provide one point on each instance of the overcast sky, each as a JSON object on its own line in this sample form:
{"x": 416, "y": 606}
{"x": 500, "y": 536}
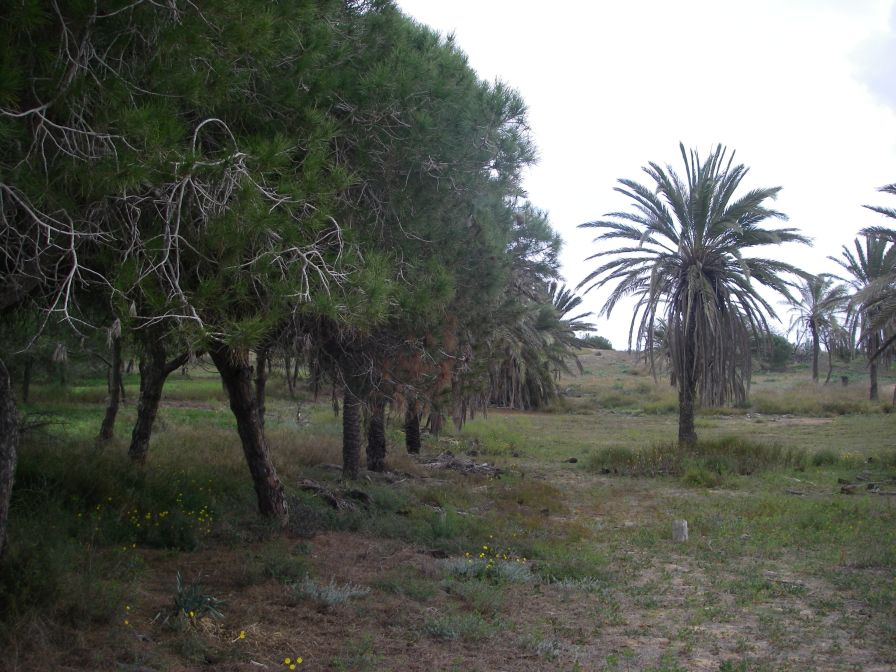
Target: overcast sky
{"x": 803, "y": 90}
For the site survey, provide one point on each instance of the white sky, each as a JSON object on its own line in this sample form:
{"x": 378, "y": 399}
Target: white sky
{"x": 803, "y": 90}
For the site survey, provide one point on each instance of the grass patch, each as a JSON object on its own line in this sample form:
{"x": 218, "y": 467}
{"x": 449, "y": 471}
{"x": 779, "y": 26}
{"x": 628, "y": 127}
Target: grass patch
{"x": 464, "y": 627}
{"x": 700, "y": 464}
{"x": 329, "y": 594}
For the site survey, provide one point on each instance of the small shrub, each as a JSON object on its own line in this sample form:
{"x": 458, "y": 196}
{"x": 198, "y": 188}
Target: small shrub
{"x": 191, "y": 600}
{"x": 466, "y": 627}
{"x": 700, "y": 476}
{"x": 331, "y": 593}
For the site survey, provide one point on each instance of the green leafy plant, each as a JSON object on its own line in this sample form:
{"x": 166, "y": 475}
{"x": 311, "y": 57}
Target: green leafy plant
{"x": 191, "y": 600}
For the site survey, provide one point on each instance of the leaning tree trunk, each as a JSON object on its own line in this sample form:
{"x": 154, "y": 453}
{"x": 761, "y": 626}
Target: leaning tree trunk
{"x": 412, "y": 430}
{"x": 351, "y": 435}
{"x": 376, "y": 436}
{"x": 261, "y": 381}
{"x": 154, "y": 370}
{"x": 107, "y": 429}
{"x": 9, "y": 443}
{"x": 237, "y": 377}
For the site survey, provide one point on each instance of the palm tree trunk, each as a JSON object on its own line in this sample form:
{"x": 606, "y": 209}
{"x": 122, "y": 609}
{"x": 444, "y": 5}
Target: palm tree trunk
{"x": 687, "y": 391}
{"x": 687, "y": 384}
{"x": 412, "y": 430}
{"x": 107, "y": 429}
{"x": 237, "y": 377}
{"x": 872, "y": 374}
{"x": 9, "y": 443}
{"x": 816, "y": 348}
{"x": 351, "y": 435}
{"x": 376, "y": 436}
{"x": 154, "y": 370}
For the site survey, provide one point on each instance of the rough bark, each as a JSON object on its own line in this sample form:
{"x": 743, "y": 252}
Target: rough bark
{"x": 376, "y": 437}
{"x": 154, "y": 370}
{"x": 687, "y": 391}
{"x": 9, "y": 443}
{"x": 412, "y": 430}
{"x": 107, "y": 429}
{"x": 351, "y": 435}
{"x": 687, "y": 387}
{"x": 816, "y": 348}
{"x": 872, "y": 375}
{"x": 236, "y": 375}
{"x": 261, "y": 381}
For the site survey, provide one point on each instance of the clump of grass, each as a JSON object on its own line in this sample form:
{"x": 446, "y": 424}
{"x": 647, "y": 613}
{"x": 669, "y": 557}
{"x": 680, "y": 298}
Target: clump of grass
{"x": 330, "y": 594}
{"x": 491, "y": 563}
{"x": 413, "y": 587}
{"x": 825, "y": 457}
{"x": 809, "y": 400}
{"x": 729, "y": 455}
{"x": 587, "y": 584}
{"x": 484, "y": 598}
{"x": 465, "y": 627}
{"x": 192, "y": 601}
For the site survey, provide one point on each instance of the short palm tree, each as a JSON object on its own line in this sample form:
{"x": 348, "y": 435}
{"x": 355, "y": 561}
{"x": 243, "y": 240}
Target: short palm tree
{"x": 818, "y": 301}
{"x": 682, "y": 259}
{"x": 872, "y": 267}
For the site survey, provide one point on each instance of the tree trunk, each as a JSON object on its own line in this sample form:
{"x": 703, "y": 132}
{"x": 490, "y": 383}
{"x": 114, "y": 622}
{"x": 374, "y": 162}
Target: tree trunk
{"x": 261, "y": 381}
{"x": 435, "y": 422}
{"x": 236, "y": 375}
{"x": 412, "y": 430}
{"x": 376, "y": 436}
{"x": 351, "y": 435}
{"x": 26, "y": 378}
{"x": 815, "y": 350}
{"x": 107, "y": 429}
{"x": 687, "y": 386}
{"x": 9, "y": 443}
{"x": 687, "y": 391}
{"x": 872, "y": 374}
{"x": 290, "y": 381}
{"x": 154, "y": 370}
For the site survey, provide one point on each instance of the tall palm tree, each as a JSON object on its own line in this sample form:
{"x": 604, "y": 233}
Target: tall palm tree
{"x": 885, "y": 289}
{"x": 872, "y": 267}
{"x": 682, "y": 258}
{"x": 818, "y": 301}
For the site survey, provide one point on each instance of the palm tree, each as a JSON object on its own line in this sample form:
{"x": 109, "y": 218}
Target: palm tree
{"x": 683, "y": 261}
{"x": 885, "y": 301}
{"x": 872, "y": 267}
{"x": 818, "y": 301}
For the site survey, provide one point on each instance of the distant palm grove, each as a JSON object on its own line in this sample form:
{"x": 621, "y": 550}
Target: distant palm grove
{"x": 329, "y": 185}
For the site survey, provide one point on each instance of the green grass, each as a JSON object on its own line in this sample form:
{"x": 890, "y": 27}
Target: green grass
{"x": 770, "y": 534}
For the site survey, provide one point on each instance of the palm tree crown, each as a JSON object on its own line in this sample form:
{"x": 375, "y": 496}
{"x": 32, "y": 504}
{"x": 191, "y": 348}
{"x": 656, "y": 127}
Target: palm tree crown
{"x": 815, "y": 310}
{"x": 682, "y": 259}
